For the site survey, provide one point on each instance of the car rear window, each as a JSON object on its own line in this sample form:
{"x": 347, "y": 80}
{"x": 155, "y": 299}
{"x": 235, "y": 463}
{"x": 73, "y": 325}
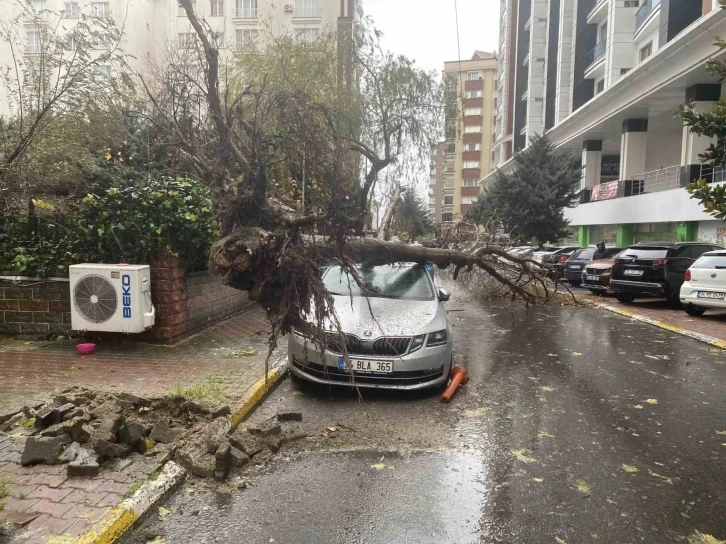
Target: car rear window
{"x": 645, "y": 253}
{"x": 612, "y": 251}
{"x": 711, "y": 261}
{"x": 584, "y": 254}
{"x": 400, "y": 282}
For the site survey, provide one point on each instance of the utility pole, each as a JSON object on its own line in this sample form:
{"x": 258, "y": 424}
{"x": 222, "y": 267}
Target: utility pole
{"x": 303, "y": 183}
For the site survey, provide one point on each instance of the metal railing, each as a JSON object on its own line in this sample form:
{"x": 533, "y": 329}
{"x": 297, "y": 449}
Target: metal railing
{"x": 655, "y": 181}
{"x": 246, "y": 13}
{"x": 644, "y": 12}
{"x": 596, "y": 53}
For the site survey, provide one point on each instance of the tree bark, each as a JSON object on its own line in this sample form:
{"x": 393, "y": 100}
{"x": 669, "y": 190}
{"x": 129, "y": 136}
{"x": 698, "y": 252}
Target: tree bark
{"x": 385, "y": 225}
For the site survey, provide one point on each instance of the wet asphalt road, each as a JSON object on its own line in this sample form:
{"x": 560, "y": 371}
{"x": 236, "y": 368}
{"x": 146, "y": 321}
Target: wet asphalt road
{"x": 577, "y": 426}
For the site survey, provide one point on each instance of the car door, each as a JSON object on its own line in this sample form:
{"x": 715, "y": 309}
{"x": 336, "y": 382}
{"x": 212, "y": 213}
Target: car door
{"x": 683, "y": 260}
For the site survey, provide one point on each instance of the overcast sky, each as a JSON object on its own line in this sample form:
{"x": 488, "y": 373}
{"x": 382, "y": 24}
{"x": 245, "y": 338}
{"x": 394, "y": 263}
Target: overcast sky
{"x": 425, "y": 30}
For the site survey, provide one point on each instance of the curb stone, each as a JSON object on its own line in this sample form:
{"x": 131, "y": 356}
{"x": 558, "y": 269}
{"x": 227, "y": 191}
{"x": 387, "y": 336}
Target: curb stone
{"x": 122, "y": 517}
{"x": 721, "y": 344}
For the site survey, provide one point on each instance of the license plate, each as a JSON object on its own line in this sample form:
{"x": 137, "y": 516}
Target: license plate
{"x": 574, "y": 267}
{"x": 364, "y": 365}
{"x": 633, "y": 272}
{"x": 707, "y": 294}
{"x": 592, "y": 278}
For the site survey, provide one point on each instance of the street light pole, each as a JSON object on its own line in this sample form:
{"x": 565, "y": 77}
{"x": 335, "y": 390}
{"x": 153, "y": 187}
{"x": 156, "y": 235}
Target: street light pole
{"x": 303, "y": 182}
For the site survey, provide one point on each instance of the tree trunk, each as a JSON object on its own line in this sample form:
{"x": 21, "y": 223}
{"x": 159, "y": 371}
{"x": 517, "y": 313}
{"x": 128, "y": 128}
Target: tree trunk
{"x": 385, "y": 225}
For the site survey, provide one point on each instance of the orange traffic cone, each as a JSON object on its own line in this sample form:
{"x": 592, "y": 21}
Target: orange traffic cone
{"x": 458, "y": 377}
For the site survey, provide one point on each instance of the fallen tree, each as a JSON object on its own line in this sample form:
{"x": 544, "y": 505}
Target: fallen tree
{"x": 267, "y": 123}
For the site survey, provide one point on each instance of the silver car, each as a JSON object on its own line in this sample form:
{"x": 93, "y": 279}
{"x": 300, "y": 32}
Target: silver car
{"x": 405, "y": 343}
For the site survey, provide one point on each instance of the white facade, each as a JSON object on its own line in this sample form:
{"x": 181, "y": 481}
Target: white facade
{"x": 623, "y": 68}
{"x": 150, "y": 27}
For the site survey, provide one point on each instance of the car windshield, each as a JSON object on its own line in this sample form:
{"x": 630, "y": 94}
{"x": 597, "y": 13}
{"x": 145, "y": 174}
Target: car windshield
{"x": 711, "y": 261}
{"x": 645, "y": 253}
{"x": 583, "y": 254}
{"x": 612, "y": 252}
{"x": 399, "y": 282}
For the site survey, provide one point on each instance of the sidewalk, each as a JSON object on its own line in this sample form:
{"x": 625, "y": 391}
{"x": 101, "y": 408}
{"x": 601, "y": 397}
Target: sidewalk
{"x": 214, "y": 367}
{"x": 713, "y": 323}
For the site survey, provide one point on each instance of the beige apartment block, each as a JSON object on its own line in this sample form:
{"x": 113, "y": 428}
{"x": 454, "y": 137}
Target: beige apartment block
{"x": 468, "y": 156}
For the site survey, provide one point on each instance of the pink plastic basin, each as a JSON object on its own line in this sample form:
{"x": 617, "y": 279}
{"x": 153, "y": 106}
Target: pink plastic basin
{"x": 85, "y": 349}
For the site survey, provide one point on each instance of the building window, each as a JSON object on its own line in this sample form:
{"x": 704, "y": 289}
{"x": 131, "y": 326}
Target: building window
{"x": 99, "y": 41}
{"x": 473, "y": 94}
{"x": 246, "y": 9}
{"x": 470, "y": 182}
{"x": 187, "y": 39}
{"x": 307, "y": 8}
{"x": 36, "y": 5}
{"x": 70, "y": 43}
{"x": 468, "y": 129}
{"x": 449, "y": 200}
{"x": 102, "y": 71}
{"x": 100, "y": 9}
{"x": 307, "y": 35}
{"x": 35, "y": 42}
{"x": 217, "y": 7}
{"x": 646, "y": 51}
{"x": 600, "y": 86}
{"x": 472, "y": 147}
{"x": 475, "y": 75}
{"x": 218, "y": 39}
{"x": 71, "y": 10}
{"x": 246, "y": 39}
{"x": 472, "y": 111}
{"x": 432, "y": 201}
{"x": 471, "y": 164}
{"x": 447, "y": 217}
{"x": 602, "y": 32}
{"x": 182, "y": 11}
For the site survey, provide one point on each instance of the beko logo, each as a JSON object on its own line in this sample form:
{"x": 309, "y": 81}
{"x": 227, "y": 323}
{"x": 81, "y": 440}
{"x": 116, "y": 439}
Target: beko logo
{"x": 126, "y": 295}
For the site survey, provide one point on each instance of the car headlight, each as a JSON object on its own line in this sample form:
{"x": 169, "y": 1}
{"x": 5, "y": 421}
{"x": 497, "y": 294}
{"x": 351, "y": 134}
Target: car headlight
{"x": 437, "y": 338}
{"x": 417, "y": 342}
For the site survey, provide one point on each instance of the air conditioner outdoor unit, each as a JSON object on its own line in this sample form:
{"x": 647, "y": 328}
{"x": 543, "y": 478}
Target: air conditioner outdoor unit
{"x": 111, "y": 298}
{"x": 288, "y": 7}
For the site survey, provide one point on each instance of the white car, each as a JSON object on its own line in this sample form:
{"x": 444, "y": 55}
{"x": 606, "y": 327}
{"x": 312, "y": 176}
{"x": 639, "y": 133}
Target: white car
{"x": 704, "y": 285}
{"x": 540, "y": 255}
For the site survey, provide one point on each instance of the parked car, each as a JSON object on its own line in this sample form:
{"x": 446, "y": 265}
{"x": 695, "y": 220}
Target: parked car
{"x": 559, "y": 257}
{"x": 540, "y": 255}
{"x": 398, "y": 337}
{"x": 572, "y": 270}
{"x": 704, "y": 284}
{"x": 656, "y": 270}
{"x": 596, "y": 274}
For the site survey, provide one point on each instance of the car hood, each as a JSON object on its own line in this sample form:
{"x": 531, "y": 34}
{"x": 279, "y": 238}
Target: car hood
{"x": 390, "y": 317}
{"x": 601, "y": 264}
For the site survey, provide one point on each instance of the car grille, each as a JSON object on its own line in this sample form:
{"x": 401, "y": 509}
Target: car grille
{"x": 387, "y": 346}
{"x": 411, "y": 377}
{"x": 594, "y": 271}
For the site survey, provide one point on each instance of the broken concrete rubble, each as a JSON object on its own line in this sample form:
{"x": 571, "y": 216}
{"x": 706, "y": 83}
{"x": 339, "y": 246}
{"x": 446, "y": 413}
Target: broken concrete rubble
{"x": 163, "y": 433}
{"x": 289, "y": 416}
{"x": 269, "y": 429}
{"x": 238, "y": 458}
{"x": 43, "y": 449}
{"x": 133, "y": 399}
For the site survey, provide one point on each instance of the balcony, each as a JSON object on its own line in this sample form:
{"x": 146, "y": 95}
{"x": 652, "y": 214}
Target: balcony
{"x": 599, "y": 13}
{"x": 246, "y": 13}
{"x": 644, "y": 12}
{"x": 596, "y": 54}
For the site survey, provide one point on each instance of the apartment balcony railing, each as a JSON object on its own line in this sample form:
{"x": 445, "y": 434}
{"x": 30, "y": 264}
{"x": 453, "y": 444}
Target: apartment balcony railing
{"x": 307, "y": 13}
{"x": 246, "y": 13}
{"x": 596, "y": 53}
{"x": 663, "y": 179}
{"x": 644, "y": 12}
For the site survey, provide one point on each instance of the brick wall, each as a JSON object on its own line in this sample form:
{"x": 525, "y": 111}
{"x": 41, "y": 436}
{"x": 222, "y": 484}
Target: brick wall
{"x": 35, "y": 308}
{"x": 185, "y": 303}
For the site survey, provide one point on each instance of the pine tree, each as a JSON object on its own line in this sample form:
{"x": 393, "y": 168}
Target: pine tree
{"x": 529, "y": 202}
{"x": 411, "y": 217}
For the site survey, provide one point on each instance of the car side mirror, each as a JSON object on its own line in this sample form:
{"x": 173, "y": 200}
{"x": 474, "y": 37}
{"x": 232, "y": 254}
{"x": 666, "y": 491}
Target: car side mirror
{"x": 444, "y": 295}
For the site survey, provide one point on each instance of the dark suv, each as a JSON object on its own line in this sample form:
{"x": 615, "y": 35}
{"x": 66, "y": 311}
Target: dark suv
{"x": 654, "y": 269}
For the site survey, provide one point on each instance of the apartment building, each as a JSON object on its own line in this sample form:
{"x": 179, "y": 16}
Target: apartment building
{"x": 151, "y": 27}
{"x": 603, "y": 79}
{"x": 459, "y": 162}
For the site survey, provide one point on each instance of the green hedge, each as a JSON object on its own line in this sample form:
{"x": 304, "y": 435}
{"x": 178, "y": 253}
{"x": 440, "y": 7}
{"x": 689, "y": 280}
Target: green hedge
{"x": 126, "y": 223}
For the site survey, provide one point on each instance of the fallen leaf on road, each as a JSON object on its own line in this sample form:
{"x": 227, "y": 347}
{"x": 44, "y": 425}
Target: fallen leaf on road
{"x": 638, "y": 406}
{"x": 520, "y": 455}
{"x": 156, "y": 540}
{"x": 651, "y": 401}
{"x": 238, "y": 354}
{"x": 476, "y": 413}
{"x": 699, "y": 538}
{"x": 547, "y": 388}
{"x": 721, "y": 432}
{"x": 331, "y": 429}
{"x": 538, "y": 480}
{"x": 551, "y": 355}
{"x": 163, "y": 512}
{"x": 630, "y": 468}
{"x": 577, "y": 354}
{"x": 381, "y": 466}
{"x": 664, "y": 478}
{"x": 545, "y": 434}
{"x": 560, "y": 541}
{"x": 582, "y": 486}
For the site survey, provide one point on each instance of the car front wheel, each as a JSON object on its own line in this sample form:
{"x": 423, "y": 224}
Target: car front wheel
{"x": 695, "y": 311}
{"x": 625, "y": 298}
